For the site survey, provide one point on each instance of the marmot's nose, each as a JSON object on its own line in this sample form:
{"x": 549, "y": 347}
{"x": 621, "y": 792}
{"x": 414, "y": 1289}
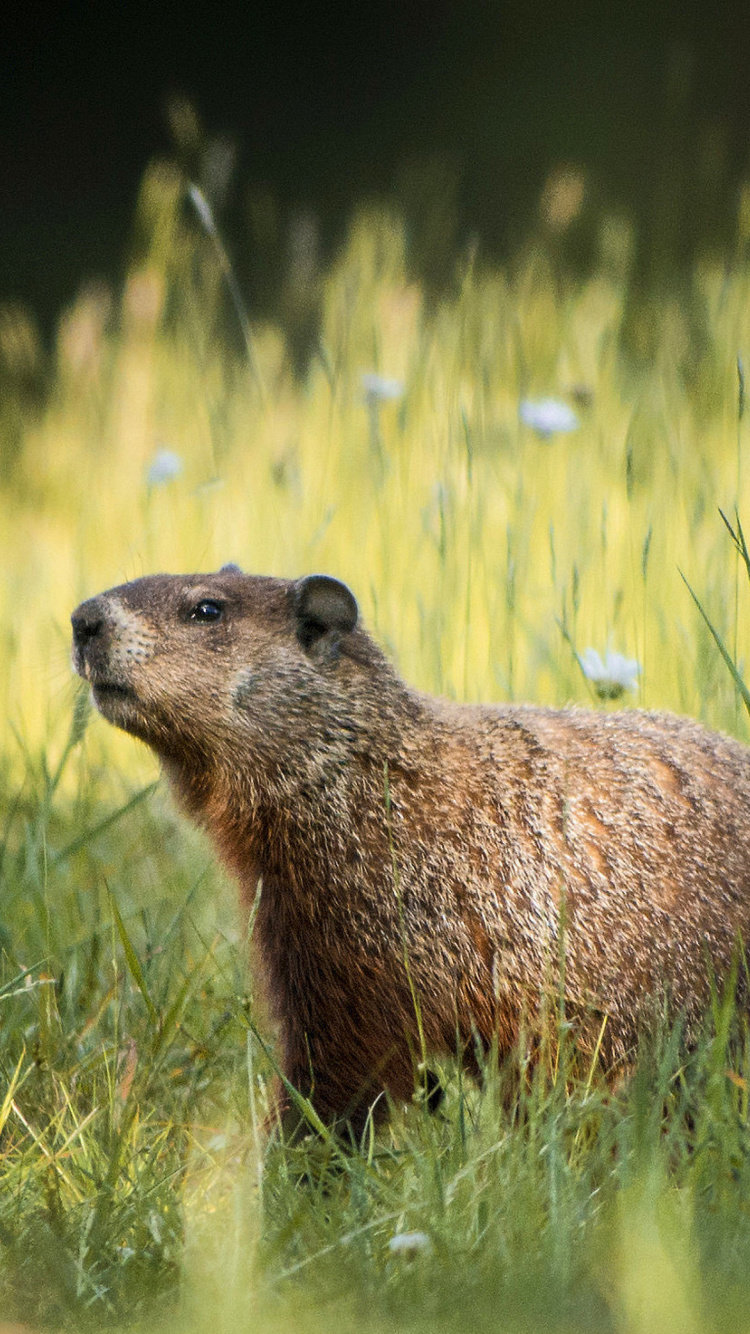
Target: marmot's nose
{"x": 87, "y": 621}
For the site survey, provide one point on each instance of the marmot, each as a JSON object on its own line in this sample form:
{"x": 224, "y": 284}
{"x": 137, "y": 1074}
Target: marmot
{"x": 430, "y": 873}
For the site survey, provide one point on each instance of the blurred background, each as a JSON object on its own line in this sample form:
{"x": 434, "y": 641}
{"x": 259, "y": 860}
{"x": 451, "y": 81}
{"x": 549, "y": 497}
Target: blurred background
{"x": 457, "y": 112}
{"x": 484, "y": 265}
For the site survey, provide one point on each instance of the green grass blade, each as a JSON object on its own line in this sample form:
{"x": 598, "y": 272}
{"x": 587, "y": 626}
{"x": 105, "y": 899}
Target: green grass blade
{"x": 738, "y": 538}
{"x": 14, "y": 1084}
{"x": 89, "y": 835}
{"x": 79, "y": 723}
{"x": 134, "y": 963}
{"x": 726, "y": 655}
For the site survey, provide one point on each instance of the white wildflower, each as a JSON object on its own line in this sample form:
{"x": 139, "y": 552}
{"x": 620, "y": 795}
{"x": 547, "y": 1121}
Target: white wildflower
{"x": 409, "y": 1244}
{"x": 548, "y": 416}
{"x": 379, "y": 389}
{"x": 611, "y": 677}
{"x": 164, "y": 467}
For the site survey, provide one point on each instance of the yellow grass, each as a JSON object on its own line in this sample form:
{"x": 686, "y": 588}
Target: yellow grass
{"x": 466, "y": 538}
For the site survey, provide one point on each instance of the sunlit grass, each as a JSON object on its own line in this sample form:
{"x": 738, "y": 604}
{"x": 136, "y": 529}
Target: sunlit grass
{"x": 135, "y": 1180}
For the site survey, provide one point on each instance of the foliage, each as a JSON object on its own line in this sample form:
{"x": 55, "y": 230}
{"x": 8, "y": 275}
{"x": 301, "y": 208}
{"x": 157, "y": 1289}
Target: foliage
{"x": 137, "y": 1185}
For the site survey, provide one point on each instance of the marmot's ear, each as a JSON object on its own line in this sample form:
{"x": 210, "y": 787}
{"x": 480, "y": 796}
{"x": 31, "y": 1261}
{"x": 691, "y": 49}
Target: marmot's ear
{"x": 320, "y": 604}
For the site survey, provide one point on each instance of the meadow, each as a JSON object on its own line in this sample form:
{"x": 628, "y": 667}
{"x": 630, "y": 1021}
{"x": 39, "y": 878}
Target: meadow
{"x": 137, "y": 1188}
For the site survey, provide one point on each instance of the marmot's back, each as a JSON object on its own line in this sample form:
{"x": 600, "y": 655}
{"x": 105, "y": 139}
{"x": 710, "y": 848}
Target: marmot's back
{"x": 412, "y": 849}
{"x": 629, "y": 827}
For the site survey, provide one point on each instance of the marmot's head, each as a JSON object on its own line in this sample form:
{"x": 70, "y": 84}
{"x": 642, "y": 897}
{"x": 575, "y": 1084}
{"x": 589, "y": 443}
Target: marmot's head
{"x": 202, "y": 664}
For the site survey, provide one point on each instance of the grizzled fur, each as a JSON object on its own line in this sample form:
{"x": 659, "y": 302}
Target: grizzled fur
{"x": 511, "y": 836}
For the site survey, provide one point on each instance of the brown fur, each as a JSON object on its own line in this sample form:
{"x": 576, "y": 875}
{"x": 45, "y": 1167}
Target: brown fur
{"x": 514, "y": 835}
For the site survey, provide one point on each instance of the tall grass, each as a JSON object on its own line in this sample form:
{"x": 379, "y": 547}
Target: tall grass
{"x": 136, "y": 1182}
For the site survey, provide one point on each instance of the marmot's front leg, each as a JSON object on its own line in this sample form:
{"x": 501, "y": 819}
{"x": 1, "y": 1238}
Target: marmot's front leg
{"x": 340, "y": 1102}
{"x": 325, "y": 1079}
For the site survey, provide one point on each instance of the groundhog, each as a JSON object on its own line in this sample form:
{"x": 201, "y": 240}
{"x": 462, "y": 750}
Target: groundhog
{"x": 433, "y": 877}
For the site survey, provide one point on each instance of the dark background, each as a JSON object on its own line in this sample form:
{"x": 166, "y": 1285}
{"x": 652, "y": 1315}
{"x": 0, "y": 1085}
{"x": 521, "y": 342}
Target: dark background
{"x": 327, "y": 104}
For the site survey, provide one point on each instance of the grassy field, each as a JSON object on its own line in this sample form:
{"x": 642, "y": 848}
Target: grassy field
{"x": 135, "y": 1184}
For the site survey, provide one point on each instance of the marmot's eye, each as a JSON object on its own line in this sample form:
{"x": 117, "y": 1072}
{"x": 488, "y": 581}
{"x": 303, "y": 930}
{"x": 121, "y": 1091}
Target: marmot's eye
{"x": 207, "y": 611}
